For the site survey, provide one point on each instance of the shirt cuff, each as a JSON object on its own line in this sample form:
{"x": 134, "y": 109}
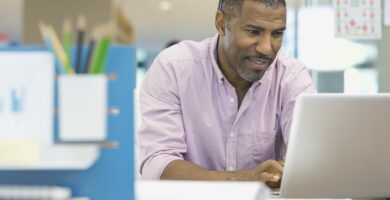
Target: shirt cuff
{"x": 154, "y": 167}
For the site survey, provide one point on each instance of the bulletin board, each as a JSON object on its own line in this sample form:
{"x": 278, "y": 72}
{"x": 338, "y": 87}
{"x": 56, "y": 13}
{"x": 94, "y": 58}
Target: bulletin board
{"x": 358, "y": 19}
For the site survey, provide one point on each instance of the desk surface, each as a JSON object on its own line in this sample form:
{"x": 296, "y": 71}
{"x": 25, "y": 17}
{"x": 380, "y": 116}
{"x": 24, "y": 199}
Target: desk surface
{"x": 195, "y": 190}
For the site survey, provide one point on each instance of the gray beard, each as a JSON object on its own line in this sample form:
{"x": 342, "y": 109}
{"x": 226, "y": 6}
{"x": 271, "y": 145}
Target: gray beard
{"x": 249, "y": 77}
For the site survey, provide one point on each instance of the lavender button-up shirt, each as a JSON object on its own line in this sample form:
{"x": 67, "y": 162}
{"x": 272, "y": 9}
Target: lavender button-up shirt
{"x": 190, "y": 111}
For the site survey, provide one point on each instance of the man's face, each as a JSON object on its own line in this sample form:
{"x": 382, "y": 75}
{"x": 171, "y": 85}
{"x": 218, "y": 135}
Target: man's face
{"x": 253, "y": 39}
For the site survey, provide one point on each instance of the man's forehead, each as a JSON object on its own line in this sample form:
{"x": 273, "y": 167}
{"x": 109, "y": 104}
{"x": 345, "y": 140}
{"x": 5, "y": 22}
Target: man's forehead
{"x": 262, "y": 17}
{"x": 257, "y": 7}
{"x": 254, "y": 9}
{"x": 268, "y": 3}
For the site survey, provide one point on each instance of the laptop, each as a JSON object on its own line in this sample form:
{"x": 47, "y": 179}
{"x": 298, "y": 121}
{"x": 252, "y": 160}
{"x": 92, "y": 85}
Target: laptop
{"x": 339, "y": 147}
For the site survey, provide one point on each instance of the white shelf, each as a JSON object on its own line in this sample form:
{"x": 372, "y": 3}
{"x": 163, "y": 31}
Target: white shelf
{"x": 59, "y": 157}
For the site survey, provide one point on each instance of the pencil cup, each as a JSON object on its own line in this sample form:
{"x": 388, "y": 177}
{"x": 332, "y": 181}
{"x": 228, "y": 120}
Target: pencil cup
{"x": 82, "y": 107}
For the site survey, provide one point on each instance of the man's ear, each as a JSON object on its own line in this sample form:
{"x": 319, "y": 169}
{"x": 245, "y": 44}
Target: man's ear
{"x": 220, "y": 23}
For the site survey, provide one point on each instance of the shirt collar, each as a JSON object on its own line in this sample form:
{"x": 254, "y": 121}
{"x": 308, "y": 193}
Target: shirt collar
{"x": 220, "y": 76}
{"x": 214, "y": 61}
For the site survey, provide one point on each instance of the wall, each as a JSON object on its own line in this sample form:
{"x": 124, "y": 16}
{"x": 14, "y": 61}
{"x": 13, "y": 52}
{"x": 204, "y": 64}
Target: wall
{"x": 384, "y": 61}
{"x": 187, "y": 19}
{"x": 54, "y": 12}
{"x": 11, "y": 18}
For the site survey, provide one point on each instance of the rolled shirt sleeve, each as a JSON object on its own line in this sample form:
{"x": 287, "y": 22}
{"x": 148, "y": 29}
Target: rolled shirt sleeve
{"x": 161, "y": 135}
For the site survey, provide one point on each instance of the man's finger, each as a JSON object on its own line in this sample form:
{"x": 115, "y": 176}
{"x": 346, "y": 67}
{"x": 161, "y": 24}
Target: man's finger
{"x": 275, "y": 165}
{"x": 273, "y": 184}
{"x": 281, "y": 162}
{"x": 268, "y": 177}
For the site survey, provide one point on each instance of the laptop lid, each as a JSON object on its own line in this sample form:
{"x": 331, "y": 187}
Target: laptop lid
{"x": 339, "y": 147}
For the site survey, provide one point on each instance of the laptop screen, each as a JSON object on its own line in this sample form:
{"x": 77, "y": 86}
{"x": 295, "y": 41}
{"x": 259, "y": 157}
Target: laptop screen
{"x": 339, "y": 147}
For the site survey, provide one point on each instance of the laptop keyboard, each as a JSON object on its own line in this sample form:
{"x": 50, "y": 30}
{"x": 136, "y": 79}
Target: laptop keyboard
{"x": 275, "y": 193}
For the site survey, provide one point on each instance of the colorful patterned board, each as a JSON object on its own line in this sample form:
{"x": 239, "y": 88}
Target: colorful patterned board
{"x": 358, "y": 19}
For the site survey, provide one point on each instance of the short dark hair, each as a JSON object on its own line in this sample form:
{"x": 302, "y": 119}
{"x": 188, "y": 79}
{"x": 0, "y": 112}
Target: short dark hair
{"x": 231, "y": 8}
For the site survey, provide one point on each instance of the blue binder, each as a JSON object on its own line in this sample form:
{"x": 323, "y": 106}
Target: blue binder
{"x": 112, "y": 176}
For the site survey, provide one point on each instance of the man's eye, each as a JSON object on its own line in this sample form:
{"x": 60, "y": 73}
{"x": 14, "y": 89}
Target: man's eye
{"x": 277, "y": 34}
{"x": 253, "y": 32}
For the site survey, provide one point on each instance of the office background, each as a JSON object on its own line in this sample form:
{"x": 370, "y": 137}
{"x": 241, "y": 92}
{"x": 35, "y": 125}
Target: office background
{"x": 341, "y": 65}
{"x": 352, "y": 66}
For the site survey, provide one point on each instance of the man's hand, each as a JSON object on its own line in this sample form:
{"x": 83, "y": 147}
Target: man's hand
{"x": 281, "y": 162}
{"x": 269, "y": 172}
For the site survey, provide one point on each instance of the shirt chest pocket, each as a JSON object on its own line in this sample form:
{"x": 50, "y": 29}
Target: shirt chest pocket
{"x": 255, "y": 147}
{"x": 263, "y": 146}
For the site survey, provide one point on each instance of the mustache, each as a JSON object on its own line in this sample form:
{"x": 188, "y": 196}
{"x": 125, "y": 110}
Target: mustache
{"x": 261, "y": 57}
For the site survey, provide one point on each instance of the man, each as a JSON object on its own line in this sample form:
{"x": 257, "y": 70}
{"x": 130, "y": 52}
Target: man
{"x": 221, "y": 109}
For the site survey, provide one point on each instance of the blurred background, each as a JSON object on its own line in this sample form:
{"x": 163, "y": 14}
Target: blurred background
{"x": 336, "y": 64}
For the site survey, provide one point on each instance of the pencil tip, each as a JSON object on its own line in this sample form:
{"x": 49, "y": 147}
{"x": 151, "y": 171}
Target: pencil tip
{"x": 67, "y": 25}
{"x": 81, "y": 22}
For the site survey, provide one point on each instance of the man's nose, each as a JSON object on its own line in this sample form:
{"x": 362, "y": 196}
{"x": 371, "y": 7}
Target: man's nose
{"x": 264, "y": 45}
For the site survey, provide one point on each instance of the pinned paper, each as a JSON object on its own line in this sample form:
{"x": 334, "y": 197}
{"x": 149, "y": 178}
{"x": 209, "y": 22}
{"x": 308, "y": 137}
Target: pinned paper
{"x": 358, "y": 19}
{"x": 26, "y": 95}
{"x": 386, "y": 12}
{"x": 16, "y": 152}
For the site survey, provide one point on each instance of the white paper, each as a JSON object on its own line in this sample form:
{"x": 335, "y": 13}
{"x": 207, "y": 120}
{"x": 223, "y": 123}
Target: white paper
{"x": 358, "y": 19}
{"x": 83, "y": 107}
{"x": 387, "y": 12}
{"x": 26, "y": 95}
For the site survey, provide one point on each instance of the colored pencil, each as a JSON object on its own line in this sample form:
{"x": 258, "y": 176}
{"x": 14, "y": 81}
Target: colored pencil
{"x": 91, "y": 48}
{"x": 67, "y": 38}
{"x": 100, "y": 53}
{"x": 81, "y": 25}
{"x": 60, "y": 50}
{"x": 46, "y": 38}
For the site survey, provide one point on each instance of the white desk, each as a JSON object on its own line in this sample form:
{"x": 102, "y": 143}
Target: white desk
{"x": 200, "y": 190}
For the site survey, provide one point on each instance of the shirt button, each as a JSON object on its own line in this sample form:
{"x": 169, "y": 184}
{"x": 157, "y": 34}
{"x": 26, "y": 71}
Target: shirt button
{"x": 230, "y": 168}
{"x": 231, "y": 135}
{"x": 232, "y": 100}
